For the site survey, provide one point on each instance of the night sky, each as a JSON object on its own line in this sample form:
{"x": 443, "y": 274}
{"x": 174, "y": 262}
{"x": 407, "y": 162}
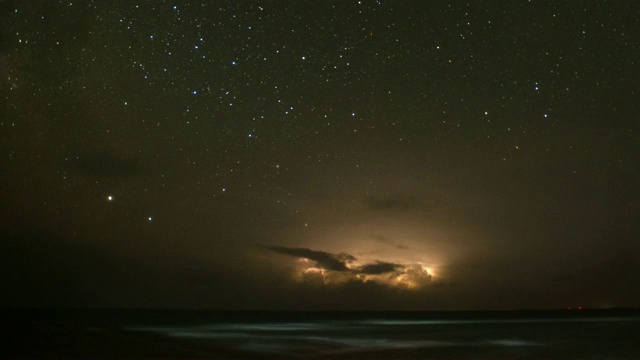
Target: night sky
{"x": 320, "y": 155}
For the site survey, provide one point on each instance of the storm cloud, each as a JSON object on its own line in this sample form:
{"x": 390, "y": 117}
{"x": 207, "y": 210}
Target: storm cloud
{"x": 379, "y": 268}
{"x": 338, "y": 262}
{"x": 324, "y": 260}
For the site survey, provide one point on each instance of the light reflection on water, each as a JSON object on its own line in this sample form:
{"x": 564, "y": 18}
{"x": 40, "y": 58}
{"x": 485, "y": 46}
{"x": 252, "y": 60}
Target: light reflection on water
{"x": 322, "y": 337}
{"x": 492, "y": 321}
{"x": 340, "y": 336}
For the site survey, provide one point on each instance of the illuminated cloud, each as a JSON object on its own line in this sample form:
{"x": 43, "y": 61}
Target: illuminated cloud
{"x": 379, "y": 267}
{"x": 324, "y": 260}
{"x": 321, "y": 267}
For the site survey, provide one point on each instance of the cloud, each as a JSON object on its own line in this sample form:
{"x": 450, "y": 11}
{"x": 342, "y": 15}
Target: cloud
{"x": 391, "y": 201}
{"x": 324, "y": 260}
{"x": 379, "y": 267}
{"x": 343, "y": 268}
{"x": 387, "y": 241}
{"x": 108, "y": 165}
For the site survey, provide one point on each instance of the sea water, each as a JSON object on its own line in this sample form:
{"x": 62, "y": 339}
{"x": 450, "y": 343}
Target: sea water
{"x": 403, "y": 335}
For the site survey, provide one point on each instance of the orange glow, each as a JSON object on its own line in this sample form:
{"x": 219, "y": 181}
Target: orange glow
{"x": 313, "y": 274}
{"x": 409, "y": 276}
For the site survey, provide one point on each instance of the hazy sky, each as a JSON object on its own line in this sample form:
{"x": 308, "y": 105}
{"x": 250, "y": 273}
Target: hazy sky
{"x": 382, "y": 155}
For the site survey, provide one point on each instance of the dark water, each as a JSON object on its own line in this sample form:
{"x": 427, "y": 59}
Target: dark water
{"x": 595, "y": 334}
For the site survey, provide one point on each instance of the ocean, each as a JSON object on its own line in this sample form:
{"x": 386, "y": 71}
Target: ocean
{"x": 108, "y": 333}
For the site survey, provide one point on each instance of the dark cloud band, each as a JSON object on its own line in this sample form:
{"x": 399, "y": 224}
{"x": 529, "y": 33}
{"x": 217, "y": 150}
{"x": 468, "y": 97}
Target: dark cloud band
{"x": 323, "y": 259}
{"x": 337, "y": 262}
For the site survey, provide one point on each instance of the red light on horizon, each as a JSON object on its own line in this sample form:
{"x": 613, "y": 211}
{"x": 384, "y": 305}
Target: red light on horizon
{"x": 579, "y": 307}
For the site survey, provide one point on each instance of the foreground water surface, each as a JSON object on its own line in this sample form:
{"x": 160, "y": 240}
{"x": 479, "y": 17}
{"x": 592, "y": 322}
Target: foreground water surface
{"x": 595, "y": 334}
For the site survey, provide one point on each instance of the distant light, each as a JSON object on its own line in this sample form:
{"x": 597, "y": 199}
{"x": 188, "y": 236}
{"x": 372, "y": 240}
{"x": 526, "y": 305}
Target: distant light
{"x": 150, "y": 218}
{"x": 579, "y": 307}
{"x": 109, "y": 198}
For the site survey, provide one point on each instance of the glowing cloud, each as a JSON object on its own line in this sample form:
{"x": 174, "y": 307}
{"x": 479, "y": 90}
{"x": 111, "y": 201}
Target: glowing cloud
{"x": 326, "y": 268}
